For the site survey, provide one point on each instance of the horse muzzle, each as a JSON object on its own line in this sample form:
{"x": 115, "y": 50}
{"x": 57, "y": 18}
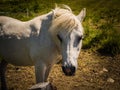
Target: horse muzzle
{"x": 69, "y": 71}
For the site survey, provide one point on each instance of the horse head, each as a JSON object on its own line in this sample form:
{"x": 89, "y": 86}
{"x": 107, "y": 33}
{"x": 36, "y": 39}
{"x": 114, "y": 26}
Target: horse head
{"x": 67, "y": 33}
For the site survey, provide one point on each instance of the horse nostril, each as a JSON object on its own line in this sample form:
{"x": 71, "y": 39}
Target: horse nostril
{"x": 69, "y": 71}
{"x": 63, "y": 69}
{"x": 73, "y": 69}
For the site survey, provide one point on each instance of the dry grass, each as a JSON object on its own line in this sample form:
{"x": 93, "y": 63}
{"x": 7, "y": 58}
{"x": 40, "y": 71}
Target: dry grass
{"x": 95, "y": 72}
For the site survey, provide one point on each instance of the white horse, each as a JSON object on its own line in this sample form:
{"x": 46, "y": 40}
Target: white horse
{"x": 41, "y": 41}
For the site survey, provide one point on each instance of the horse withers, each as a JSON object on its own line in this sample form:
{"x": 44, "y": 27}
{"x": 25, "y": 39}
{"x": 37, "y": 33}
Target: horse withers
{"x": 41, "y": 41}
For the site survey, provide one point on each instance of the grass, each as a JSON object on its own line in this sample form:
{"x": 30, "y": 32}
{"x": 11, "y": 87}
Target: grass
{"x": 101, "y": 32}
{"x": 102, "y": 17}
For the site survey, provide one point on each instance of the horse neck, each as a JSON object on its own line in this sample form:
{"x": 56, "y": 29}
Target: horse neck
{"x": 40, "y": 23}
{"x": 41, "y": 19}
{"x": 43, "y": 23}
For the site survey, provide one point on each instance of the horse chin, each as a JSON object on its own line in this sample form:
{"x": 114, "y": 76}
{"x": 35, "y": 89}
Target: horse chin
{"x": 69, "y": 74}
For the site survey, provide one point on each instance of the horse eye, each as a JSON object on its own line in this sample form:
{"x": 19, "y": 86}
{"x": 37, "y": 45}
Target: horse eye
{"x": 77, "y": 41}
{"x": 59, "y": 38}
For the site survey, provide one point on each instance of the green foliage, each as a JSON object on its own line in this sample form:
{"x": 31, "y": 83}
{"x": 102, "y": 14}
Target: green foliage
{"x": 101, "y": 31}
{"x": 111, "y": 42}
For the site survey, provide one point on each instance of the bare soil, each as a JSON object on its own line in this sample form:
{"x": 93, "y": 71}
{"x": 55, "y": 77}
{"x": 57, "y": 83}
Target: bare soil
{"x": 95, "y": 72}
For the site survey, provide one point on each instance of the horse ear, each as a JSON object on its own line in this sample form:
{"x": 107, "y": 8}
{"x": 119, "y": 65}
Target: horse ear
{"x": 54, "y": 14}
{"x": 53, "y": 11}
{"x": 82, "y": 15}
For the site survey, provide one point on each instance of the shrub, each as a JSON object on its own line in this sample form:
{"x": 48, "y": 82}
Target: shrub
{"x": 100, "y": 32}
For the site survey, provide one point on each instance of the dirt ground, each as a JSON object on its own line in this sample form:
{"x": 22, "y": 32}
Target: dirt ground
{"x": 95, "y": 72}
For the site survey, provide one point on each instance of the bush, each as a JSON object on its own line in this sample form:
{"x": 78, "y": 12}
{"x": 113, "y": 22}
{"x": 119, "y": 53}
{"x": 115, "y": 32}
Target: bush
{"x": 101, "y": 33}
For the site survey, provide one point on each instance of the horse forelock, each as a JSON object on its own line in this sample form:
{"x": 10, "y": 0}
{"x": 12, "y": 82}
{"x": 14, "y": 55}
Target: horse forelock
{"x": 63, "y": 20}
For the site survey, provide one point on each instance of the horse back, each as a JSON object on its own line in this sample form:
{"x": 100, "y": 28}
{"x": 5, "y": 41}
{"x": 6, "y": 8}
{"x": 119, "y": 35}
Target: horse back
{"x": 10, "y": 27}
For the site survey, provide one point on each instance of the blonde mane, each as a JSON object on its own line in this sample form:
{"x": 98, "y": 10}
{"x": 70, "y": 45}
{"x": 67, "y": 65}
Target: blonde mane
{"x": 63, "y": 19}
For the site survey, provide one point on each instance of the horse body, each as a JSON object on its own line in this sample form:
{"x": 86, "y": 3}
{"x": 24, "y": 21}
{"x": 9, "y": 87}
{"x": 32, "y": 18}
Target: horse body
{"x": 24, "y": 42}
{"x": 35, "y": 43}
